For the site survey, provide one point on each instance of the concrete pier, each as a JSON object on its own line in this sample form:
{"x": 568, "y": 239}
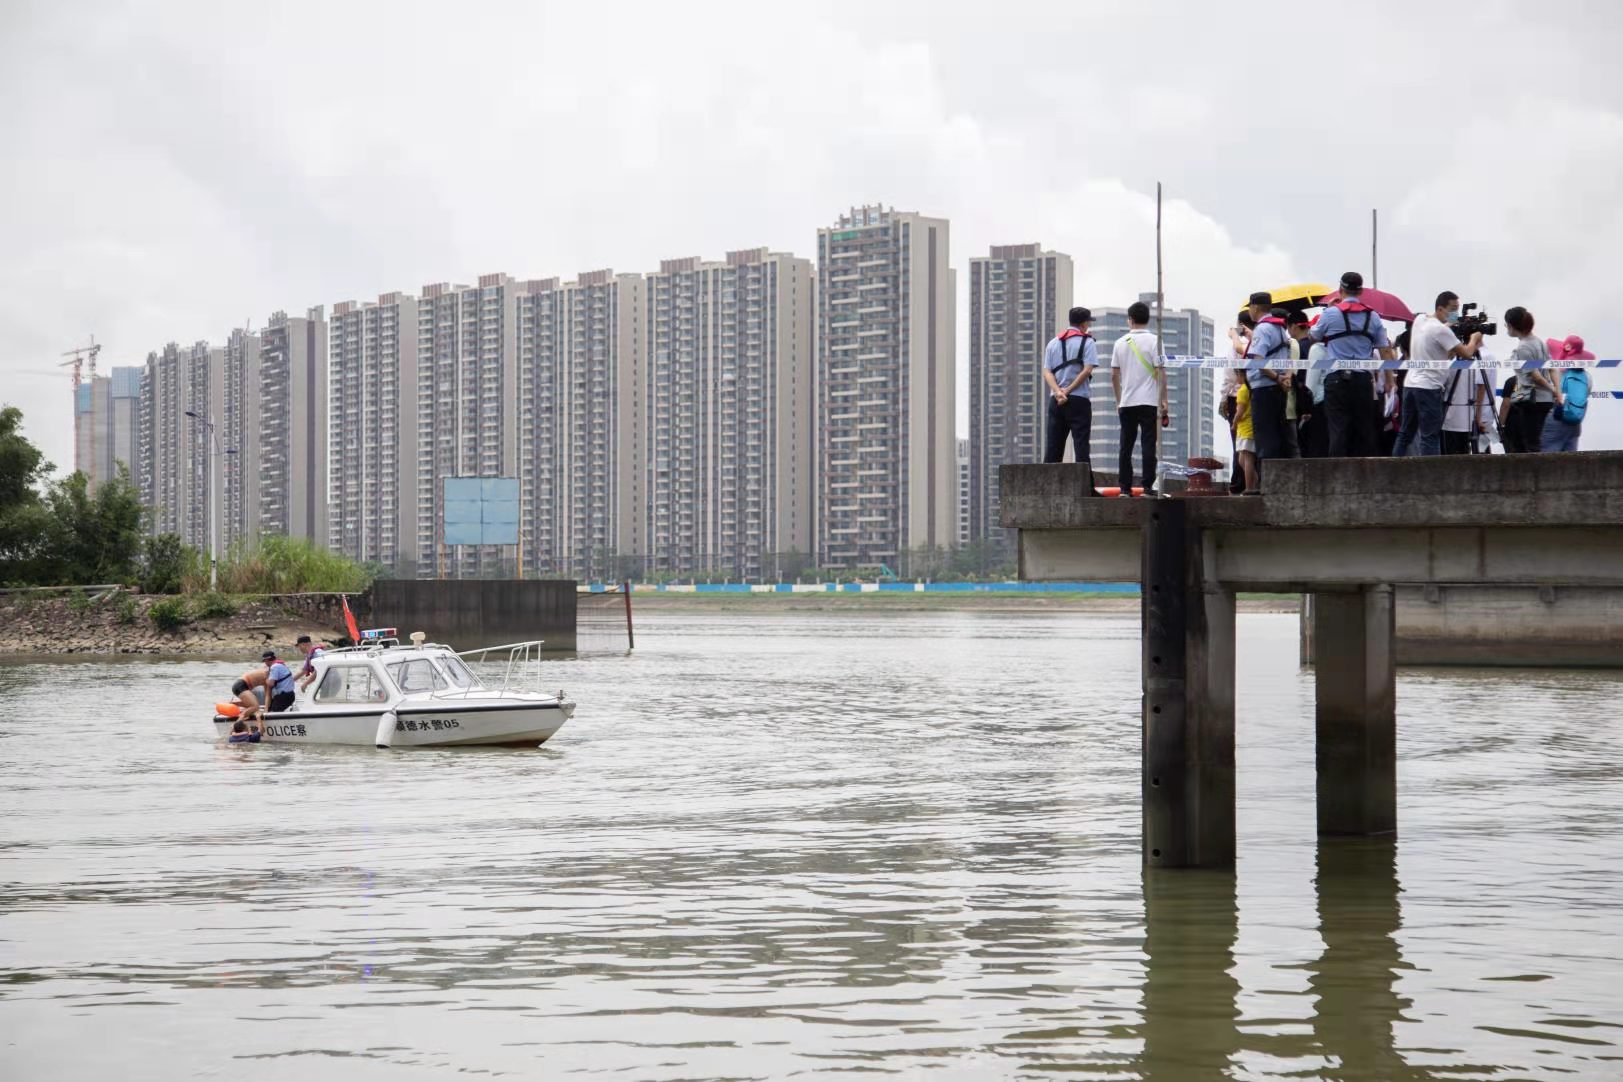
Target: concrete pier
{"x": 1348, "y": 532}
{"x": 1188, "y": 666}
{"x": 1356, "y": 712}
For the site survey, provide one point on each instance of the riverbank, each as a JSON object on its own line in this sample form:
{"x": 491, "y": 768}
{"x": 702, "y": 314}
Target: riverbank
{"x": 124, "y": 623}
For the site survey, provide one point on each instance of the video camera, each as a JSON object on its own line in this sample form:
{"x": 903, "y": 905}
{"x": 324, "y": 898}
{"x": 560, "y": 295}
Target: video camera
{"x": 1471, "y": 321}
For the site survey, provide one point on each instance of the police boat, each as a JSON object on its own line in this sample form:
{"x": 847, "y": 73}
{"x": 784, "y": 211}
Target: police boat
{"x": 387, "y": 694}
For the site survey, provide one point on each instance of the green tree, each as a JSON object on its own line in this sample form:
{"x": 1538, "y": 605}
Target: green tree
{"x": 25, "y": 523}
{"x": 22, "y": 465}
{"x": 163, "y": 564}
{"x": 96, "y": 536}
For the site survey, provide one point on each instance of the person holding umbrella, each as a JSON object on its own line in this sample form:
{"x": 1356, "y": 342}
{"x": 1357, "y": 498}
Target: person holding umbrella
{"x": 1351, "y": 331}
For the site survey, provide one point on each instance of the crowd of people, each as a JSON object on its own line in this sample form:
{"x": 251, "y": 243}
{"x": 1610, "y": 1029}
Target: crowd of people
{"x": 1279, "y": 406}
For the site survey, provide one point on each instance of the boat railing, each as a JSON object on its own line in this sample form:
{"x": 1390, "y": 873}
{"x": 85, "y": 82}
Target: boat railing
{"x": 520, "y": 668}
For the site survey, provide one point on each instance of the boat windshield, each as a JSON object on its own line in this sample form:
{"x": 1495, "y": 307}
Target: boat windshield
{"x": 461, "y": 676}
{"x": 416, "y": 675}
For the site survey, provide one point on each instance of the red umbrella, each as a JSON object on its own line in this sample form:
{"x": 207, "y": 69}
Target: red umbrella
{"x": 1386, "y": 305}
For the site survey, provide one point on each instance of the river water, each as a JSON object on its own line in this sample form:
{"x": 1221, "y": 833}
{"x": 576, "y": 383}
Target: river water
{"x": 774, "y": 845}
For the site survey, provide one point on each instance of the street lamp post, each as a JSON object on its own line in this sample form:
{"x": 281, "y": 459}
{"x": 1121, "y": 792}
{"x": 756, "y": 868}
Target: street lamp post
{"x": 214, "y": 453}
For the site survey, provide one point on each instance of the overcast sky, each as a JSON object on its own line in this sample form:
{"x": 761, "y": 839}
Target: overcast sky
{"x": 175, "y": 169}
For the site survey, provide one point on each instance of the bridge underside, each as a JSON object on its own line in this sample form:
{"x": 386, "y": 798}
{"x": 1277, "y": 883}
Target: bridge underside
{"x": 1307, "y": 559}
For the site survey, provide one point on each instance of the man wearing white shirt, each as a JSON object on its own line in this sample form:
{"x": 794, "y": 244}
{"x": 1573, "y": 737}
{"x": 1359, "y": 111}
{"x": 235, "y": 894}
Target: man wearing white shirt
{"x": 1433, "y": 339}
{"x": 1139, "y": 379}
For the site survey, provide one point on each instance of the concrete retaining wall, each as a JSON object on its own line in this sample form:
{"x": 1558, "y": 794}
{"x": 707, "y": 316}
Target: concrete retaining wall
{"x": 1504, "y": 626}
{"x": 471, "y": 613}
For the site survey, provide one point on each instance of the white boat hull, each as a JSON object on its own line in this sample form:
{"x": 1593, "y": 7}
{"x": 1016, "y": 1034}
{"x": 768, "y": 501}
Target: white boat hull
{"x": 441, "y": 724}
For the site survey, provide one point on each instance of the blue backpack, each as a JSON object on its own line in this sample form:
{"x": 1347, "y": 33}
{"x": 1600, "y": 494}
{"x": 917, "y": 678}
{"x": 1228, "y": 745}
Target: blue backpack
{"x": 1574, "y": 395}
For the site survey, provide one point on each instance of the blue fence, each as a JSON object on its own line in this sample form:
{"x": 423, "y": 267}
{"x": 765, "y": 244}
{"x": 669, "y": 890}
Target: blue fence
{"x": 1125, "y": 588}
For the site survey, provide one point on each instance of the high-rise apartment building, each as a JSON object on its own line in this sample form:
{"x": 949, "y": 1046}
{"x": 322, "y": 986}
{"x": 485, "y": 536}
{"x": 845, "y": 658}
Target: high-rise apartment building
{"x": 579, "y": 404}
{"x": 241, "y": 422}
{"x": 372, "y": 422}
{"x": 1185, "y": 332}
{"x": 728, "y": 387}
{"x": 963, "y": 492}
{"x": 182, "y": 391}
{"x": 1019, "y": 296}
{"x": 467, "y": 411}
{"x": 885, "y": 394}
{"x": 293, "y": 431}
{"x": 107, "y": 425}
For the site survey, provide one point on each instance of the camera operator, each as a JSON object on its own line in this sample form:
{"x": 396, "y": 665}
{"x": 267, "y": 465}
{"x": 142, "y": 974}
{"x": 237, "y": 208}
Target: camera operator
{"x": 1432, "y": 339}
{"x": 1351, "y": 331}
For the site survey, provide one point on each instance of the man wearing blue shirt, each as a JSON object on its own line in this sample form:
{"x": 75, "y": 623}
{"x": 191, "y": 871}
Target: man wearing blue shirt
{"x": 1272, "y": 346}
{"x": 1351, "y": 331}
{"x": 1068, "y": 365}
{"x": 278, "y": 682}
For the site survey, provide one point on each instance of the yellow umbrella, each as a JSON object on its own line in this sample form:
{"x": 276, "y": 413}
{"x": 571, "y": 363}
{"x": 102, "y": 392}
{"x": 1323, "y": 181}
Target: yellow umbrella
{"x": 1297, "y": 297}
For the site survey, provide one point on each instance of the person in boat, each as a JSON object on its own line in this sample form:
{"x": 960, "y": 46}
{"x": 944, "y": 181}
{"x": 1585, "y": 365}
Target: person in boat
{"x": 311, "y": 651}
{"x": 279, "y": 681}
{"x": 249, "y": 691}
{"x": 240, "y": 734}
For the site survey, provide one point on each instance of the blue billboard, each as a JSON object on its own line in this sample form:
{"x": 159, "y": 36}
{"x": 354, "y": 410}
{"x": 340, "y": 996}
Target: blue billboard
{"x": 481, "y": 511}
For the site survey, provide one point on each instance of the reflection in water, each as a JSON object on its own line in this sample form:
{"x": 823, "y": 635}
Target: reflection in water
{"x": 1356, "y": 977}
{"x": 1190, "y": 1015}
{"x": 1191, "y": 1019}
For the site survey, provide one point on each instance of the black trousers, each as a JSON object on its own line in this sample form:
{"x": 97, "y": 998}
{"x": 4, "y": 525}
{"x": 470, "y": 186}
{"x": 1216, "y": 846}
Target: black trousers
{"x": 1073, "y": 419}
{"x": 1138, "y": 423}
{"x": 1313, "y": 434}
{"x": 1349, "y": 409}
{"x": 1268, "y": 421}
{"x": 1456, "y": 443}
{"x": 1528, "y": 420}
{"x": 281, "y": 701}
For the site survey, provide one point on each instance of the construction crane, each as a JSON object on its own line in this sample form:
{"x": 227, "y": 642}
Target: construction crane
{"x": 76, "y": 361}
{"x": 77, "y": 358}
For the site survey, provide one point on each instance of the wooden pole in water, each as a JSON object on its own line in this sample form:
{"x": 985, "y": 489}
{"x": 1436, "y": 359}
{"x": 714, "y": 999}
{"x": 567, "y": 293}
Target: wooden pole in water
{"x": 631, "y": 637}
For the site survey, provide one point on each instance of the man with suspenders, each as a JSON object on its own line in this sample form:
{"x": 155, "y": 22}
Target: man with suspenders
{"x": 1068, "y": 365}
{"x": 1351, "y": 331}
{"x": 1271, "y": 345}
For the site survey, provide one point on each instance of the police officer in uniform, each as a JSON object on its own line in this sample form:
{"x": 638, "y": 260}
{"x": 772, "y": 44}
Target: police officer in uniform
{"x": 1351, "y": 331}
{"x": 1272, "y": 346}
{"x": 1068, "y": 365}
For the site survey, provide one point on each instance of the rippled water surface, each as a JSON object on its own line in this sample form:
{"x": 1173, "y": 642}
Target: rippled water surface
{"x": 892, "y": 844}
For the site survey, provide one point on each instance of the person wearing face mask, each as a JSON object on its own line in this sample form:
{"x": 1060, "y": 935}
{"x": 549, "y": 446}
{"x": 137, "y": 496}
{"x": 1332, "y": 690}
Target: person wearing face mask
{"x": 1432, "y": 339}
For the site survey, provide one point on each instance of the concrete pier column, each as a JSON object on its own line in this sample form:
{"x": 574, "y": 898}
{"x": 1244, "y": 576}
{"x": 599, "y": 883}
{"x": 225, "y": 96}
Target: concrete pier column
{"x": 1188, "y": 672}
{"x": 1356, "y": 716}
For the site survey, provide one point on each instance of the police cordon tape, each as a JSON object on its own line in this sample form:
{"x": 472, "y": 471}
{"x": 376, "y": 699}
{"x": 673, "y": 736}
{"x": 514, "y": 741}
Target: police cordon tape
{"x": 1376, "y": 364}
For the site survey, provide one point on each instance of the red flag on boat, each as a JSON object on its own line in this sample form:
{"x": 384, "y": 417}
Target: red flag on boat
{"x": 349, "y": 620}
